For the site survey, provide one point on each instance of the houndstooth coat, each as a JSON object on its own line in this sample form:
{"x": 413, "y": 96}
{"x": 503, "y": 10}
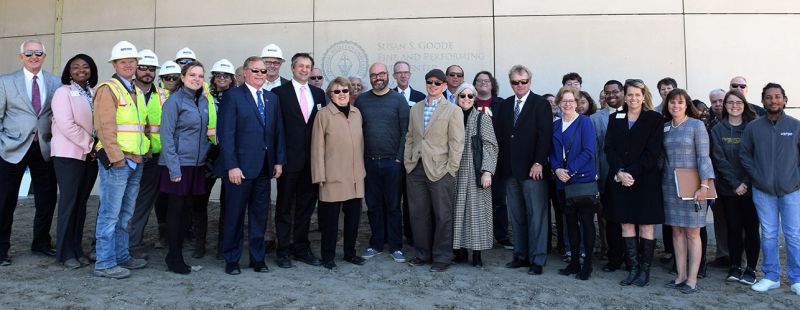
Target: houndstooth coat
{"x": 472, "y": 224}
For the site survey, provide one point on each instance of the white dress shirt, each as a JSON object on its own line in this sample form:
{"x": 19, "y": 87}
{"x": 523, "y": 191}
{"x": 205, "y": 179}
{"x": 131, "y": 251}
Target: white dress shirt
{"x": 253, "y": 92}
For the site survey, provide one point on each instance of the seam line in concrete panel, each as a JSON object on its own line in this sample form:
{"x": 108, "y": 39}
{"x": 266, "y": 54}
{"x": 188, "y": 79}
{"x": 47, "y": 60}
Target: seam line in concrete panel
{"x": 685, "y": 48}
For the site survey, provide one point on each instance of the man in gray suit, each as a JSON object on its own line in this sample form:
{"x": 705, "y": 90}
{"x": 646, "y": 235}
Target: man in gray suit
{"x": 25, "y": 116}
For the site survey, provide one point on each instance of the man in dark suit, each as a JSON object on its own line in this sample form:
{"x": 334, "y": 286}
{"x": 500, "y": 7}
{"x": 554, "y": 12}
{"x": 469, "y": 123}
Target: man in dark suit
{"x": 524, "y": 134}
{"x": 300, "y": 102}
{"x": 252, "y": 151}
{"x": 402, "y": 74}
{"x": 25, "y": 120}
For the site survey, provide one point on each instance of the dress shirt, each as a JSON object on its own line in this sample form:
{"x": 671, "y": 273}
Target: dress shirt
{"x": 270, "y": 85}
{"x": 253, "y": 91}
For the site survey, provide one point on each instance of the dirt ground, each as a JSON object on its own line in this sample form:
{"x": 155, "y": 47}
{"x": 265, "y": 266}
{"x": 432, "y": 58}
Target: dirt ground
{"x": 38, "y": 282}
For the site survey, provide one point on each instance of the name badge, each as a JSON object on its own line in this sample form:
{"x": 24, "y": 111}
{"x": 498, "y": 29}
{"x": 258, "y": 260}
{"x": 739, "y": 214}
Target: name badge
{"x": 620, "y": 116}
{"x": 319, "y": 106}
{"x": 666, "y": 129}
{"x": 74, "y": 93}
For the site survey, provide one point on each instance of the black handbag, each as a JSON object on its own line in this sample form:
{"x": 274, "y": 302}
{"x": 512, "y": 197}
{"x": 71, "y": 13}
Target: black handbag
{"x": 477, "y": 152}
{"x": 579, "y": 193}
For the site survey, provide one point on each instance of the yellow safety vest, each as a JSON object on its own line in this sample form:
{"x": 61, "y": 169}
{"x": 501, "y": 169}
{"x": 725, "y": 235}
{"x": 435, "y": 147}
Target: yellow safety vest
{"x": 131, "y": 119}
{"x": 212, "y": 115}
{"x": 154, "y": 117}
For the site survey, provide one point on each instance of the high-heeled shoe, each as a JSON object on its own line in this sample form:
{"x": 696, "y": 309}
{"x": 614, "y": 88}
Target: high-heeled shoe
{"x": 476, "y": 259}
{"x": 178, "y": 267}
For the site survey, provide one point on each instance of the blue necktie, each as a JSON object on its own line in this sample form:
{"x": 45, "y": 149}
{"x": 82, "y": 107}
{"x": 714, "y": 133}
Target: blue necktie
{"x": 261, "y": 106}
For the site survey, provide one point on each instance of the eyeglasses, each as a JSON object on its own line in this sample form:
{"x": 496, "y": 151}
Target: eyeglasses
{"x": 222, "y": 75}
{"x": 483, "y": 81}
{"x": 272, "y": 63}
{"x": 183, "y": 61}
{"x": 340, "y": 91}
{"x": 378, "y": 75}
{"x": 402, "y": 72}
{"x": 30, "y": 53}
{"x": 315, "y": 77}
{"x": 518, "y": 82}
{"x": 262, "y": 71}
{"x": 740, "y": 86}
{"x": 146, "y": 68}
{"x": 170, "y": 78}
{"x": 458, "y": 75}
{"x": 437, "y": 83}
{"x": 470, "y": 96}
{"x": 737, "y": 102}
{"x": 570, "y": 101}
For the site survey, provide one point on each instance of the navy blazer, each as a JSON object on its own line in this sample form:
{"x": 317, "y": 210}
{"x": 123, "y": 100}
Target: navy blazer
{"x": 415, "y": 96}
{"x": 244, "y": 139}
{"x": 298, "y": 132}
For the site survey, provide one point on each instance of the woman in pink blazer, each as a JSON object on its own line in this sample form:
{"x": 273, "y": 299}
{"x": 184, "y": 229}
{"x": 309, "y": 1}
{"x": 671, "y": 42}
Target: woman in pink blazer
{"x": 72, "y": 148}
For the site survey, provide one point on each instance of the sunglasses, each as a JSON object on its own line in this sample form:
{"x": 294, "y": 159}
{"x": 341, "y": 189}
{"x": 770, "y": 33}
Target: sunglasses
{"x": 262, "y": 71}
{"x": 518, "y": 82}
{"x": 437, "y": 83}
{"x": 470, "y": 96}
{"x": 183, "y": 61}
{"x": 740, "y": 86}
{"x": 170, "y": 78}
{"x": 315, "y": 77}
{"x": 146, "y": 68}
{"x": 340, "y": 91}
{"x": 30, "y": 53}
{"x": 223, "y": 75}
{"x": 458, "y": 75}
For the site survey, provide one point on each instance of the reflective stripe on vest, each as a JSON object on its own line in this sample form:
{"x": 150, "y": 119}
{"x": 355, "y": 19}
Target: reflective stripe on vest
{"x": 131, "y": 119}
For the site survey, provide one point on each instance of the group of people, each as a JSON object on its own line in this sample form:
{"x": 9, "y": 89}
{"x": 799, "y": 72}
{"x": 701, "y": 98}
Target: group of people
{"x": 453, "y": 165}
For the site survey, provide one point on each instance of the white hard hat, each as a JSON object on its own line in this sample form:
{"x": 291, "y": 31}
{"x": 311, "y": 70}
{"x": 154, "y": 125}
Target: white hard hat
{"x": 148, "y": 58}
{"x": 169, "y": 67}
{"x": 185, "y": 53}
{"x": 223, "y": 65}
{"x": 122, "y": 50}
{"x": 272, "y": 50}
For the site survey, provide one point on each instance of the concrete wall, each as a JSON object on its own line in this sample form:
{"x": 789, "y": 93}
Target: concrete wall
{"x": 700, "y": 43}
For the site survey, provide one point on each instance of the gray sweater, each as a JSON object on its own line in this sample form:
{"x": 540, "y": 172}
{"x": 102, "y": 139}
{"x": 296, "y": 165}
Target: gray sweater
{"x": 385, "y": 124}
{"x": 184, "y": 131}
{"x": 725, "y": 148}
{"x": 770, "y": 154}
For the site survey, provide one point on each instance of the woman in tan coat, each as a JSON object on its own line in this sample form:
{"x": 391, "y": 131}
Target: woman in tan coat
{"x": 337, "y": 165}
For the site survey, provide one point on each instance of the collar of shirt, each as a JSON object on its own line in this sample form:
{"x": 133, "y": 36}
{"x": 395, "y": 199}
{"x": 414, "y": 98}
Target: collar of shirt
{"x": 433, "y": 102}
{"x": 405, "y": 92}
{"x": 253, "y": 93}
{"x": 29, "y": 83}
{"x": 524, "y": 98}
{"x": 309, "y": 98}
{"x": 270, "y": 85}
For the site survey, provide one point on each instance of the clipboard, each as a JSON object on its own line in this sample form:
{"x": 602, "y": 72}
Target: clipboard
{"x": 687, "y": 181}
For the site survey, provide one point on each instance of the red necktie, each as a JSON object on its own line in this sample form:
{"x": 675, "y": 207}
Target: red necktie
{"x": 36, "y": 97}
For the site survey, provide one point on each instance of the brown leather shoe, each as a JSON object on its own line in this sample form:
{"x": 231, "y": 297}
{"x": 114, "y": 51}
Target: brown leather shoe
{"x": 416, "y": 261}
{"x": 439, "y": 267}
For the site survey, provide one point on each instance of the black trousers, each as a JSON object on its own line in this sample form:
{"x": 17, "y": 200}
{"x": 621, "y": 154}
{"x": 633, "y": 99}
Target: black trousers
{"x": 582, "y": 214}
{"x": 404, "y": 205}
{"x": 328, "y": 216}
{"x": 75, "y": 181}
{"x": 45, "y": 189}
{"x": 741, "y": 216}
{"x": 292, "y": 231}
{"x": 178, "y": 209}
{"x": 499, "y": 209}
{"x": 558, "y": 213}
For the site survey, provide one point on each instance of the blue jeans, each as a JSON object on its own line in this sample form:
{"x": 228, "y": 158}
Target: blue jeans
{"x": 383, "y": 203}
{"x": 119, "y": 187}
{"x": 773, "y": 212}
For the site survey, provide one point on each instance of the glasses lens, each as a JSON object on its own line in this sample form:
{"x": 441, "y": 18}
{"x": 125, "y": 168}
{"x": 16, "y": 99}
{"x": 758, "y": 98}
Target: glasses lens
{"x": 518, "y": 82}
{"x": 341, "y": 91}
{"x": 470, "y": 96}
{"x": 147, "y": 68}
{"x": 183, "y": 61}
{"x": 316, "y": 77}
{"x": 170, "y": 78}
{"x": 458, "y": 75}
{"x": 437, "y": 83}
{"x": 30, "y": 53}
{"x": 741, "y": 86}
{"x": 378, "y": 75}
{"x": 273, "y": 63}
{"x": 222, "y": 75}
{"x": 262, "y": 71}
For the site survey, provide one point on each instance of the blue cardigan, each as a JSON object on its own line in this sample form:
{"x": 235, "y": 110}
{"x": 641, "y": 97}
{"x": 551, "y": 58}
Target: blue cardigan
{"x": 580, "y": 162}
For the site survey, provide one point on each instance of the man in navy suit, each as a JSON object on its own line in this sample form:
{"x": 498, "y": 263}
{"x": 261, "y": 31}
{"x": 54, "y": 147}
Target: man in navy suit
{"x": 25, "y": 119}
{"x": 252, "y": 151}
{"x": 300, "y": 102}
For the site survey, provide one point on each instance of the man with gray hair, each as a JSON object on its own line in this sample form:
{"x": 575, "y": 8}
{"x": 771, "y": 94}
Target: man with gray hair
{"x": 385, "y": 122}
{"x": 25, "y": 120}
{"x": 715, "y": 98}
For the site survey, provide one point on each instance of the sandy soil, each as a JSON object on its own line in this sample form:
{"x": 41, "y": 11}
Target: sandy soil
{"x": 37, "y": 282}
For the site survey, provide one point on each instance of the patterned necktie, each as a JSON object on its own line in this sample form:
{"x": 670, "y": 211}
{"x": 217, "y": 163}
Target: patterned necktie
{"x": 516, "y": 110}
{"x": 36, "y": 97}
{"x": 261, "y": 107}
{"x": 304, "y": 103}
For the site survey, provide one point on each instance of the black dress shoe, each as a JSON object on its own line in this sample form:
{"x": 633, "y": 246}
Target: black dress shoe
{"x": 330, "y": 265}
{"x": 535, "y": 270}
{"x": 259, "y": 267}
{"x": 416, "y": 261}
{"x": 45, "y": 250}
{"x": 5, "y": 261}
{"x": 284, "y": 262}
{"x": 439, "y": 267}
{"x": 179, "y": 267}
{"x": 517, "y": 263}
{"x": 355, "y": 260}
{"x": 610, "y": 267}
{"x": 232, "y": 268}
{"x": 308, "y": 259}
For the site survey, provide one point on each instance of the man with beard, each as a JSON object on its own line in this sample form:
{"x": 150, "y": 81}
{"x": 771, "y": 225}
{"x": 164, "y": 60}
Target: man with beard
{"x": 148, "y": 195}
{"x": 611, "y": 243}
{"x": 385, "y": 123}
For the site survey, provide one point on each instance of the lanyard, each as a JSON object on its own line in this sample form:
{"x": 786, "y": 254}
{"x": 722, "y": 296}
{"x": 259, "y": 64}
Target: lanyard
{"x": 86, "y": 93}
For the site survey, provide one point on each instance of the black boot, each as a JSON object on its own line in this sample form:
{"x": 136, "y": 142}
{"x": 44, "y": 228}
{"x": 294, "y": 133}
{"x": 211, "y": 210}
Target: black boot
{"x": 573, "y": 267}
{"x": 648, "y": 248}
{"x": 476, "y": 259}
{"x": 586, "y": 269}
{"x": 460, "y": 256}
{"x": 631, "y": 259}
